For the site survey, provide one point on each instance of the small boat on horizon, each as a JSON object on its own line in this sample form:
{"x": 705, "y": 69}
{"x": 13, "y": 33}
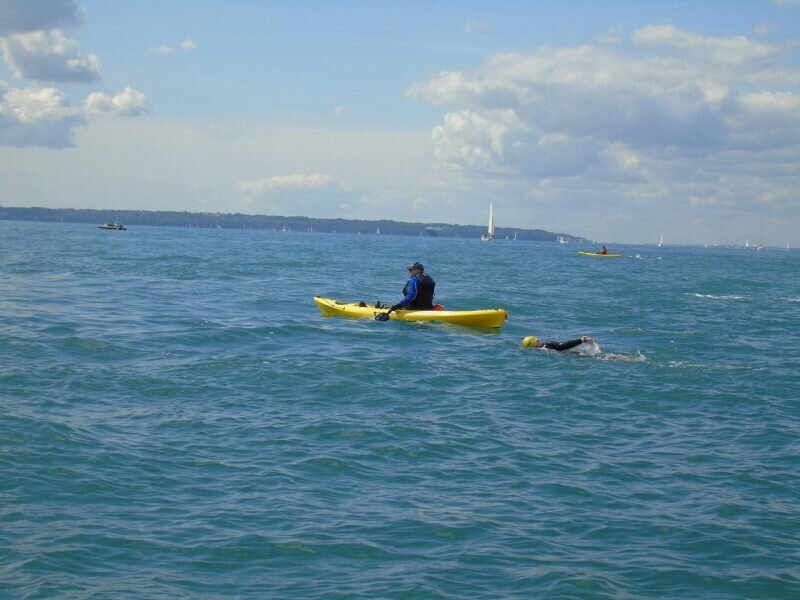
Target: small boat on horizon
{"x": 115, "y": 225}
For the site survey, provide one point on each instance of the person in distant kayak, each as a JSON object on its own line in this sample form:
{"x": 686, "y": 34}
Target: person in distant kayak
{"x": 533, "y": 342}
{"x": 418, "y": 293}
{"x": 603, "y": 250}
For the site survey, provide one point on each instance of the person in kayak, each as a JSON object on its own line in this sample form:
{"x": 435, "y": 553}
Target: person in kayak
{"x": 603, "y": 250}
{"x": 533, "y": 342}
{"x": 418, "y": 292}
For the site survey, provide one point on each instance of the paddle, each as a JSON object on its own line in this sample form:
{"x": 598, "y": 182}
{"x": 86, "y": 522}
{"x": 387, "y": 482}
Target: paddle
{"x": 384, "y": 316}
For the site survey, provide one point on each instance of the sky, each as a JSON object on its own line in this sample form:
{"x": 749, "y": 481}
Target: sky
{"x": 619, "y": 121}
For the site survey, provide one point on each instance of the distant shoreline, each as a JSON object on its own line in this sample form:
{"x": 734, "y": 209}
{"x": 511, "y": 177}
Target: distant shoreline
{"x": 271, "y": 222}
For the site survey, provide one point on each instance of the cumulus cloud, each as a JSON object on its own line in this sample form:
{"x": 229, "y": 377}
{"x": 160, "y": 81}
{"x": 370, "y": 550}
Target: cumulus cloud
{"x": 48, "y": 56}
{"x": 23, "y": 16}
{"x": 36, "y": 117}
{"x": 472, "y": 140}
{"x": 129, "y": 102}
{"x": 44, "y": 117}
{"x": 580, "y": 111}
{"x": 35, "y": 49}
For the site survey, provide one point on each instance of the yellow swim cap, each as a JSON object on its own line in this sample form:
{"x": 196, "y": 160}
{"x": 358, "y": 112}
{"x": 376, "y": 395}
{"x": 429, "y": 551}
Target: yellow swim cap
{"x": 530, "y": 341}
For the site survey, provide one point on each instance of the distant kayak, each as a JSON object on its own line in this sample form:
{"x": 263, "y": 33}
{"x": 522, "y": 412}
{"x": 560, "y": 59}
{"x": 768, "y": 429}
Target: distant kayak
{"x": 609, "y": 255}
{"x": 488, "y": 317}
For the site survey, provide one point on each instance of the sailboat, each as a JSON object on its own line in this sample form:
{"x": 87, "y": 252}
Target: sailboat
{"x": 661, "y": 241}
{"x": 490, "y": 231}
{"x": 761, "y": 245}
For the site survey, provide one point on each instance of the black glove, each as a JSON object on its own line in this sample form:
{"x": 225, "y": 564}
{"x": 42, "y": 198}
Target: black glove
{"x": 396, "y": 307}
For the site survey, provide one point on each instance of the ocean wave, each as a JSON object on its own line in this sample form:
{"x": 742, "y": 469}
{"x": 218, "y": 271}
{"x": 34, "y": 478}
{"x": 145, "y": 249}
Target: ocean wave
{"x": 719, "y": 297}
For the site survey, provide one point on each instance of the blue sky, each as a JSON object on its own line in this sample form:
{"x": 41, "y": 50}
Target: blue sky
{"x": 618, "y": 121}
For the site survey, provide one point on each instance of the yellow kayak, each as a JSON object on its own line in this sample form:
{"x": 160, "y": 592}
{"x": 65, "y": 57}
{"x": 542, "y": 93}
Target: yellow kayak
{"x": 609, "y": 255}
{"x": 489, "y": 317}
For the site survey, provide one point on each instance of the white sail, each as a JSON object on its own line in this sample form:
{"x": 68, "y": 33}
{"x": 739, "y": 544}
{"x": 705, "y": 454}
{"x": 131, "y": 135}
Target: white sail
{"x": 490, "y": 231}
{"x": 661, "y": 241}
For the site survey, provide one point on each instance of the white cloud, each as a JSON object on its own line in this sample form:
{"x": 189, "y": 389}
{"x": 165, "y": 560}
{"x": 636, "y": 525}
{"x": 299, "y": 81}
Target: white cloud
{"x": 129, "y": 102}
{"x": 472, "y": 140}
{"x": 48, "y": 56}
{"x": 731, "y": 50}
{"x": 36, "y": 117}
{"x": 561, "y": 112}
{"x": 41, "y": 104}
{"x": 44, "y": 117}
{"x": 35, "y": 49}
{"x": 765, "y": 120}
{"x": 164, "y": 49}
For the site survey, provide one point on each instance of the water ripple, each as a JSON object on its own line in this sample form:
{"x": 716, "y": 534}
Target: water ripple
{"x": 179, "y": 421}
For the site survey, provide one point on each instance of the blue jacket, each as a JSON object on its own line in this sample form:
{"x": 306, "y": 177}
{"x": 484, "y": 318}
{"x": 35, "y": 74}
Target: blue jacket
{"x": 418, "y": 293}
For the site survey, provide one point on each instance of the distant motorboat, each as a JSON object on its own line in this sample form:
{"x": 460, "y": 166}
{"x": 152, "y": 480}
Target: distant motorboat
{"x": 562, "y": 240}
{"x": 115, "y": 225}
{"x": 490, "y": 231}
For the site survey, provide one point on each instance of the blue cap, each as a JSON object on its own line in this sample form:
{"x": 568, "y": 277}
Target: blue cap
{"x": 417, "y": 265}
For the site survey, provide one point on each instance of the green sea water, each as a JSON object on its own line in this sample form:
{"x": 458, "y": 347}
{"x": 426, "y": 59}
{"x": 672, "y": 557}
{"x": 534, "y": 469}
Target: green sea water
{"x": 177, "y": 420}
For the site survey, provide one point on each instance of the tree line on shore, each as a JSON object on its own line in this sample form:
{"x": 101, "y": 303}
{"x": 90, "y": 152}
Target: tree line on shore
{"x": 270, "y": 222}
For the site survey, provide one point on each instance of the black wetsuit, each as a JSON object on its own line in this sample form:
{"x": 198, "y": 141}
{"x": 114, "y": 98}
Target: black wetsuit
{"x": 562, "y": 345}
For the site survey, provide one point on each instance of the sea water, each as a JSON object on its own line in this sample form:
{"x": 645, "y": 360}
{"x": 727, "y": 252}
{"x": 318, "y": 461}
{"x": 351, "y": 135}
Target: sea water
{"x": 177, "y": 420}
